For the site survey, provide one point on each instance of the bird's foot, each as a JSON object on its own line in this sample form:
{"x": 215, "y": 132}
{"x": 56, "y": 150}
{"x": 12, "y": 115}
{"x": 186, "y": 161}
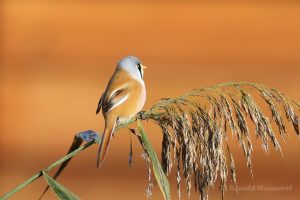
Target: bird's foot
{"x": 141, "y": 115}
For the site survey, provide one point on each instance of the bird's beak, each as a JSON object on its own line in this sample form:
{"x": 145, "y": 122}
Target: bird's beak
{"x": 144, "y": 67}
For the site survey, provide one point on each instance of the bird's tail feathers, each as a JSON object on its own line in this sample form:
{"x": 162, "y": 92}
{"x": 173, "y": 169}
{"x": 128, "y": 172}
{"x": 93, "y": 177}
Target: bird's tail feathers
{"x": 107, "y": 135}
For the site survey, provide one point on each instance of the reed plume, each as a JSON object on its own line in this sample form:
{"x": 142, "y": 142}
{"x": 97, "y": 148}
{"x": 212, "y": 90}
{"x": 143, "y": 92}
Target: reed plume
{"x": 195, "y": 135}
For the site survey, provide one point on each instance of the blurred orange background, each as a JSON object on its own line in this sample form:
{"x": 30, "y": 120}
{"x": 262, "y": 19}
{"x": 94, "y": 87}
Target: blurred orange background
{"x": 57, "y": 57}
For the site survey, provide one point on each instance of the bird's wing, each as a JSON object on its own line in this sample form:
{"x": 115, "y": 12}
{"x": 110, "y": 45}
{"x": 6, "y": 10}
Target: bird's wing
{"x": 116, "y": 98}
{"x": 99, "y": 104}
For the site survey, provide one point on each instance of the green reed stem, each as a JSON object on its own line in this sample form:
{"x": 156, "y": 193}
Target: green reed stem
{"x": 55, "y": 164}
{"x": 40, "y": 173}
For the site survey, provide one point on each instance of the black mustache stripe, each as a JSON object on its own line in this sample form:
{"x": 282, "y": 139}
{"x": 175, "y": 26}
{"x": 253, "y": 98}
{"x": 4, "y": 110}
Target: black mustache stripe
{"x": 140, "y": 69}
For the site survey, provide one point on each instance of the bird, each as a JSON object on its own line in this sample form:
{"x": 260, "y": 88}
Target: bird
{"x": 123, "y": 98}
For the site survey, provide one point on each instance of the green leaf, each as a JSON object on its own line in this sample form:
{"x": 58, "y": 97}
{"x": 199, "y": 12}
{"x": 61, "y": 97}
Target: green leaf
{"x": 60, "y": 191}
{"x": 158, "y": 171}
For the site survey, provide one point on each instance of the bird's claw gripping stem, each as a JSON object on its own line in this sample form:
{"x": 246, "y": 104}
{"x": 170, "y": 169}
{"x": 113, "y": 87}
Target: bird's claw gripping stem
{"x": 141, "y": 115}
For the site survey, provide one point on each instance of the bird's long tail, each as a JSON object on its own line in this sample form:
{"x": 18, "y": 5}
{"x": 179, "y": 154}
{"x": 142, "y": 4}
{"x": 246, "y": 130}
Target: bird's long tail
{"x": 107, "y": 135}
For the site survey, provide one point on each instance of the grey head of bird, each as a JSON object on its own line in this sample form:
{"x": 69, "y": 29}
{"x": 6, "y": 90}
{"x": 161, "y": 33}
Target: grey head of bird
{"x": 133, "y": 65}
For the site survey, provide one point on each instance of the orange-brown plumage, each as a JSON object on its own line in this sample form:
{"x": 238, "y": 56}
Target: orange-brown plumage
{"x": 124, "y": 97}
